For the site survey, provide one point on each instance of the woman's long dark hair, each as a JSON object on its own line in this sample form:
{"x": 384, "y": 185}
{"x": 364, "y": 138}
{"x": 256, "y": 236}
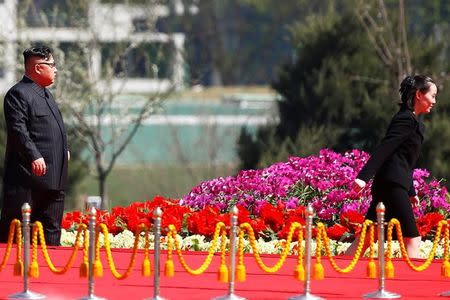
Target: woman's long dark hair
{"x": 410, "y": 85}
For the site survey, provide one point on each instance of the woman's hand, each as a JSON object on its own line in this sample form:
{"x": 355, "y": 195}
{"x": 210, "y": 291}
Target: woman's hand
{"x": 415, "y": 201}
{"x": 358, "y": 185}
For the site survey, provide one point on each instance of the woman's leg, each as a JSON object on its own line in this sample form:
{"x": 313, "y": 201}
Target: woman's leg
{"x": 412, "y": 246}
{"x": 401, "y": 208}
{"x": 370, "y": 215}
{"x": 351, "y": 250}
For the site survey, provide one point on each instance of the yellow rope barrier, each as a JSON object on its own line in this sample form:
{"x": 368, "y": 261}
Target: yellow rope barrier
{"x": 84, "y": 267}
{"x": 169, "y": 269}
{"x": 111, "y": 264}
{"x": 322, "y": 233}
{"x": 259, "y": 262}
{"x": 322, "y": 240}
{"x": 146, "y": 268}
{"x": 14, "y": 226}
{"x": 319, "y": 271}
{"x": 299, "y": 272}
{"x": 172, "y": 235}
{"x": 223, "y": 269}
{"x": 38, "y": 230}
{"x": 18, "y": 266}
{"x": 427, "y": 263}
{"x": 240, "y": 268}
{"x": 445, "y": 270}
{"x": 371, "y": 266}
{"x": 98, "y": 267}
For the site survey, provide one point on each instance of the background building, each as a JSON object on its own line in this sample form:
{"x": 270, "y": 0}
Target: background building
{"x": 105, "y": 24}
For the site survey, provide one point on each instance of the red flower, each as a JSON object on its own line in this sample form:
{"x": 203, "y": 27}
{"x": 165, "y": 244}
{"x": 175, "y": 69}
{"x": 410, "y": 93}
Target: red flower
{"x": 258, "y": 226}
{"x": 118, "y": 212}
{"x": 336, "y": 232}
{"x": 283, "y": 233}
{"x": 71, "y": 219}
{"x": 111, "y": 222}
{"x": 134, "y": 221}
{"x": 243, "y": 215}
{"x": 352, "y": 220}
{"x": 204, "y": 221}
{"x": 67, "y": 221}
{"x": 174, "y": 215}
{"x": 272, "y": 217}
{"x": 426, "y": 223}
{"x": 297, "y": 215}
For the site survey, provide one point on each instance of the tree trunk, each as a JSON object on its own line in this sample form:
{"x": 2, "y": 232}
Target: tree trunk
{"x": 103, "y": 192}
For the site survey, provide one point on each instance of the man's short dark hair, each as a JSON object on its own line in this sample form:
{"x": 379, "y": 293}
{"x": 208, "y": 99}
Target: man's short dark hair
{"x": 39, "y": 51}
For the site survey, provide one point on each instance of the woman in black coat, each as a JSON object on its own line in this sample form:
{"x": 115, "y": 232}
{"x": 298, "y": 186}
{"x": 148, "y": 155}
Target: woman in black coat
{"x": 391, "y": 164}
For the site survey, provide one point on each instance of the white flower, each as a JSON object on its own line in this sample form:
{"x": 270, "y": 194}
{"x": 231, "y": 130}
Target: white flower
{"x": 126, "y": 239}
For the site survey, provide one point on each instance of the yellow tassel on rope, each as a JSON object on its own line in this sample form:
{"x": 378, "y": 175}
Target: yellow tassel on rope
{"x": 18, "y": 268}
{"x": 33, "y": 270}
{"x": 84, "y": 270}
{"x": 169, "y": 270}
{"x": 318, "y": 271}
{"x": 98, "y": 268}
{"x": 223, "y": 273}
{"x": 240, "y": 273}
{"x": 445, "y": 269}
{"x": 146, "y": 271}
{"x": 299, "y": 272}
{"x": 389, "y": 269}
{"x": 371, "y": 269}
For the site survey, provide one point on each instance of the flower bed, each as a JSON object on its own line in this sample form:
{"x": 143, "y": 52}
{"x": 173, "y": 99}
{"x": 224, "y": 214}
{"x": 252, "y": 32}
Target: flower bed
{"x": 196, "y": 242}
{"x": 271, "y": 199}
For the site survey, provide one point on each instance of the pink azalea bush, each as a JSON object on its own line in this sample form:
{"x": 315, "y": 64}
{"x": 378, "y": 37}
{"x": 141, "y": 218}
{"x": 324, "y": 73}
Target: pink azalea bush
{"x": 323, "y": 180}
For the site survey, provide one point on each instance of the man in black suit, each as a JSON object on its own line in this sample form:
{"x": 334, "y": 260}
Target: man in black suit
{"x": 36, "y": 155}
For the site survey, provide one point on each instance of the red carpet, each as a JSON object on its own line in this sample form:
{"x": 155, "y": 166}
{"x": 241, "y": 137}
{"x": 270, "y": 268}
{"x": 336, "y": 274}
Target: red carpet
{"x": 259, "y": 285}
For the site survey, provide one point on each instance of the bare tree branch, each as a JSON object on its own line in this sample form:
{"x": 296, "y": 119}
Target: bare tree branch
{"x": 390, "y": 45}
{"x": 402, "y": 25}
{"x": 383, "y": 56}
{"x": 96, "y": 97}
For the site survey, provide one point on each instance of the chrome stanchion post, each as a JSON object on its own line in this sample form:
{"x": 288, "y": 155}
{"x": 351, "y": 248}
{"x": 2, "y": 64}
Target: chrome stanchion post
{"x": 157, "y": 253}
{"x": 307, "y": 257}
{"x": 445, "y": 294}
{"x": 26, "y": 294}
{"x": 381, "y": 293}
{"x": 92, "y": 219}
{"x": 233, "y": 233}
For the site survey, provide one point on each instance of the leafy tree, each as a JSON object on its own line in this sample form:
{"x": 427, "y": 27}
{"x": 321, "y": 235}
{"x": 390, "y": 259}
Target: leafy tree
{"x": 428, "y": 18}
{"x": 324, "y": 94}
{"x": 103, "y": 119}
{"x": 240, "y": 41}
{"x": 427, "y": 53}
{"x": 340, "y": 94}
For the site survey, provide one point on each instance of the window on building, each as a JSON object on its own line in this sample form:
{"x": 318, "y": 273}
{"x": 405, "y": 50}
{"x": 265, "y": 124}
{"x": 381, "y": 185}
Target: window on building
{"x": 2, "y": 65}
{"x": 71, "y": 52}
{"x": 53, "y": 13}
{"x": 145, "y": 60}
{"x": 141, "y": 24}
{"x": 124, "y": 1}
